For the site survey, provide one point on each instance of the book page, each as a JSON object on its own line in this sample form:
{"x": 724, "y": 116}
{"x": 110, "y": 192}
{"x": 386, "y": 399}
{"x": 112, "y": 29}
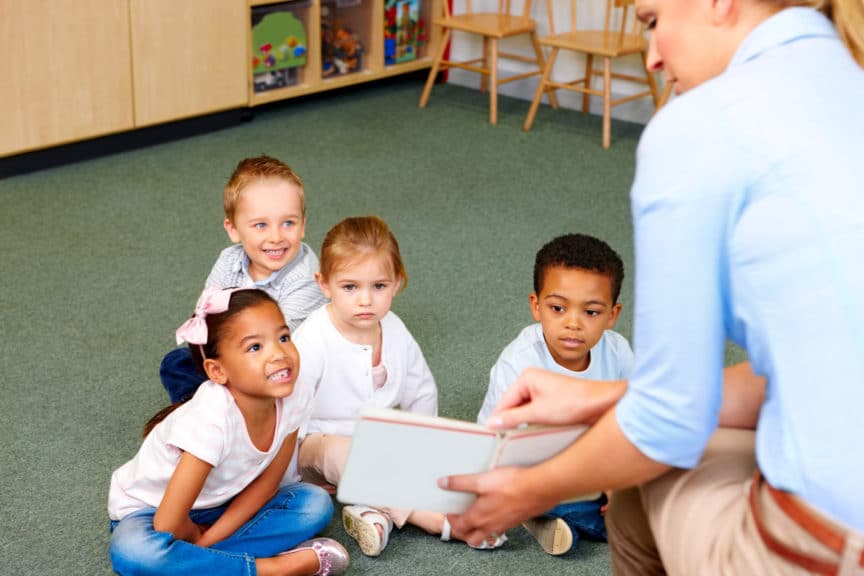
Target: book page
{"x": 532, "y": 445}
{"x": 396, "y": 459}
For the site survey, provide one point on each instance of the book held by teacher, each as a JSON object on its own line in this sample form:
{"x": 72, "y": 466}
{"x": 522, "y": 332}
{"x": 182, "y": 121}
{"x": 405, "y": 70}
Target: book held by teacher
{"x": 396, "y": 457}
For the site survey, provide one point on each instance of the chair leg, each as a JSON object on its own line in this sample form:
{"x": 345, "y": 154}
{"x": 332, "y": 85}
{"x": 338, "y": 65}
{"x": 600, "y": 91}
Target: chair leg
{"x": 436, "y": 65}
{"x": 589, "y": 72}
{"x": 541, "y": 66}
{"x": 493, "y": 81}
{"x": 547, "y": 71}
{"x": 607, "y": 101}
{"x": 484, "y": 80}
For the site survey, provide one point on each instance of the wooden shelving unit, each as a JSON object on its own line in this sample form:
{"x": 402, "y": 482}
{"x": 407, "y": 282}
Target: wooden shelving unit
{"x": 366, "y": 19}
{"x": 108, "y": 66}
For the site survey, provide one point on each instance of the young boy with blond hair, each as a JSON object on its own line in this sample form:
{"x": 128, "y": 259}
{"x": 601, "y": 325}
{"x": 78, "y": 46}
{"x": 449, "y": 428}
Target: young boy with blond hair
{"x": 265, "y": 217}
{"x": 577, "y": 281}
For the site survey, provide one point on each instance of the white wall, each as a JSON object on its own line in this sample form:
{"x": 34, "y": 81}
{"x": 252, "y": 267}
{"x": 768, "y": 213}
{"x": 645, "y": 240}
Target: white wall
{"x": 568, "y": 65}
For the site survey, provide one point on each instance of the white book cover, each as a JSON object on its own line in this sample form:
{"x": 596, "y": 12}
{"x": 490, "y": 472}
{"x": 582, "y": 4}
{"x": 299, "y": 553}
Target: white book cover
{"x": 396, "y": 457}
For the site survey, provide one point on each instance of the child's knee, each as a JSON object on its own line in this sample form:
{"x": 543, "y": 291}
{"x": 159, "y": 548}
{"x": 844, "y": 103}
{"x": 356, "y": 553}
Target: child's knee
{"x": 308, "y": 500}
{"x": 137, "y": 549}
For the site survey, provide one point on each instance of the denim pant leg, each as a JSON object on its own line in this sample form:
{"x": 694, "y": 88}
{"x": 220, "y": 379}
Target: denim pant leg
{"x": 583, "y": 518}
{"x": 179, "y": 375}
{"x": 295, "y": 514}
{"x": 298, "y": 512}
{"x": 137, "y": 549}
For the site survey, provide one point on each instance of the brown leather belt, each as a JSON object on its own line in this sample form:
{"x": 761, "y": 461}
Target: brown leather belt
{"x": 829, "y": 536}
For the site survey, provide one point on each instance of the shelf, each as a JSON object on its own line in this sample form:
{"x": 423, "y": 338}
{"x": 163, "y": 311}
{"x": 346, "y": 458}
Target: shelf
{"x": 119, "y": 65}
{"x": 345, "y": 44}
{"x": 339, "y": 82}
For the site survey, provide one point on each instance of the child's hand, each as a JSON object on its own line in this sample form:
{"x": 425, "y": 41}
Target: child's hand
{"x": 606, "y": 506}
{"x": 201, "y": 538}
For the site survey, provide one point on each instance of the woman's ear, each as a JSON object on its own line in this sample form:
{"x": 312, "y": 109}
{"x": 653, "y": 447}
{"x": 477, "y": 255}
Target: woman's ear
{"x": 724, "y": 11}
{"x": 215, "y": 372}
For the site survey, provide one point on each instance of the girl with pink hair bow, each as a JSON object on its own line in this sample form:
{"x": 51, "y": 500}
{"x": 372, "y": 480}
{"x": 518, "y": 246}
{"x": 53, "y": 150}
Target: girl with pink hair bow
{"x": 203, "y": 495}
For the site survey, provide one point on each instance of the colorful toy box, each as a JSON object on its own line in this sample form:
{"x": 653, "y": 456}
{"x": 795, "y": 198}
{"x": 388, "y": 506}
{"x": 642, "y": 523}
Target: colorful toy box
{"x": 404, "y": 33}
{"x": 278, "y": 46}
{"x": 341, "y": 45}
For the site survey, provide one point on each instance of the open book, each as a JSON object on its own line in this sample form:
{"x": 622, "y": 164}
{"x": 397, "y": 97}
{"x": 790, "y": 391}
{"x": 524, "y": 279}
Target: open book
{"x": 397, "y": 457}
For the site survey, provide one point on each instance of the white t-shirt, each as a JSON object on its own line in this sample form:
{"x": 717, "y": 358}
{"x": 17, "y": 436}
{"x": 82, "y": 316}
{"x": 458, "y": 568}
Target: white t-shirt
{"x": 210, "y": 427}
{"x": 611, "y": 359}
{"x": 340, "y": 372}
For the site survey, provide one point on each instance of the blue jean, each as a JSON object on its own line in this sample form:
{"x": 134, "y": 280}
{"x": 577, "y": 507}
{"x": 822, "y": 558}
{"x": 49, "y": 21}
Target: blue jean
{"x": 296, "y": 513}
{"x": 583, "y": 518}
{"x": 179, "y": 375}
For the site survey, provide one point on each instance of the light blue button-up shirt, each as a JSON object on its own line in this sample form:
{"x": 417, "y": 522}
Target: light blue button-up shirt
{"x": 748, "y": 209}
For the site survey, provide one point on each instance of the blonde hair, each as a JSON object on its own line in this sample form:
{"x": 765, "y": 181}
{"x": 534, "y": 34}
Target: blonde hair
{"x": 357, "y": 237}
{"x": 253, "y": 170}
{"x": 848, "y": 18}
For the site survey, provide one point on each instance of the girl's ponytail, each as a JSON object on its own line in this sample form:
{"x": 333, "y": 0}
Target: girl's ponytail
{"x": 160, "y": 416}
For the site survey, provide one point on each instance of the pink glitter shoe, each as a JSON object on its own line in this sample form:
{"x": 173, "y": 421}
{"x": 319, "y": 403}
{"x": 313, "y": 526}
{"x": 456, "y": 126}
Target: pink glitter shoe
{"x": 332, "y": 556}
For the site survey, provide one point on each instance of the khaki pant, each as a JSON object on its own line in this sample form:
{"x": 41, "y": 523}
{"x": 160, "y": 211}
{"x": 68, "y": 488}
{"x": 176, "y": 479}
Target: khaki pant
{"x": 699, "y": 522}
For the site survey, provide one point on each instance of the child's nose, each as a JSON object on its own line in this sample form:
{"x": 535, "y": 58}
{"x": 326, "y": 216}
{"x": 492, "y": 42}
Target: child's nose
{"x": 365, "y": 297}
{"x": 283, "y": 350}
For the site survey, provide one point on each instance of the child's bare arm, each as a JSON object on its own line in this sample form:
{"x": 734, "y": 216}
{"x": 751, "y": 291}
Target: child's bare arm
{"x": 248, "y": 502}
{"x": 186, "y": 482}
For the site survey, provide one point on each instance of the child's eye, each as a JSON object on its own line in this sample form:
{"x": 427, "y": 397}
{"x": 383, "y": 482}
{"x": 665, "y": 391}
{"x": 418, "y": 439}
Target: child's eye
{"x": 592, "y": 312}
{"x": 259, "y": 225}
{"x": 285, "y": 338}
{"x": 557, "y": 308}
{"x": 651, "y": 23}
{"x": 349, "y": 287}
{"x": 288, "y": 223}
{"x": 380, "y": 285}
{"x": 253, "y": 348}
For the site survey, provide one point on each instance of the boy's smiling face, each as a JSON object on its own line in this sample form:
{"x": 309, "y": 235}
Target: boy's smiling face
{"x": 268, "y": 221}
{"x": 574, "y": 307}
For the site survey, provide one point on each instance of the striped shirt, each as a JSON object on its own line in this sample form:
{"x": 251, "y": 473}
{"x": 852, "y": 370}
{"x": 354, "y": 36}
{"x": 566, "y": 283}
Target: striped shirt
{"x": 293, "y": 286}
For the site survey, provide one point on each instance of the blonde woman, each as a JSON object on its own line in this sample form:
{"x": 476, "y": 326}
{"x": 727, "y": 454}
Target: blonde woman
{"x": 748, "y": 212}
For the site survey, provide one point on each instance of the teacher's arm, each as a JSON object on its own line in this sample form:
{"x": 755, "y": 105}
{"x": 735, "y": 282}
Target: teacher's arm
{"x": 603, "y": 458}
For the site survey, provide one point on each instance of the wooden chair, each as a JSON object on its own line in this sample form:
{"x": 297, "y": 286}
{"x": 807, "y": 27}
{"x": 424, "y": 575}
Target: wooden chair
{"x": 493, "y": 27}
{"x": 622, "y": 35}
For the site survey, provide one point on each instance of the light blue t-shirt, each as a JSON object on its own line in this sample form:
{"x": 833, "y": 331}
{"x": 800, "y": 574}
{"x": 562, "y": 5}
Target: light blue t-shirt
{"x": 610, "y": 359}
{"x": 748, "y": 209}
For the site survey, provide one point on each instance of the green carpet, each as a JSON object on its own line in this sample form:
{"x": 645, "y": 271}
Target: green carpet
{"x": 102, "y": 260}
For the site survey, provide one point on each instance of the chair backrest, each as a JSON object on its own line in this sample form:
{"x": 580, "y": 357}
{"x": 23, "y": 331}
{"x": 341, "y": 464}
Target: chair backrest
{"x": 619, "y": 19}
{"x": 504, "y": 7}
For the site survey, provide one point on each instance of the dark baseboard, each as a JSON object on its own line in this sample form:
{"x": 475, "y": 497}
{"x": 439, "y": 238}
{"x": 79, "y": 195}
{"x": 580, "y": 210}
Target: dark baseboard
{"x": 120, "y": 142}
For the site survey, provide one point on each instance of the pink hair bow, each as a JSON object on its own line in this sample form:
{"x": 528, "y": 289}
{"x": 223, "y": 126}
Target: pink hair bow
{"x": 211, "y": 301}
